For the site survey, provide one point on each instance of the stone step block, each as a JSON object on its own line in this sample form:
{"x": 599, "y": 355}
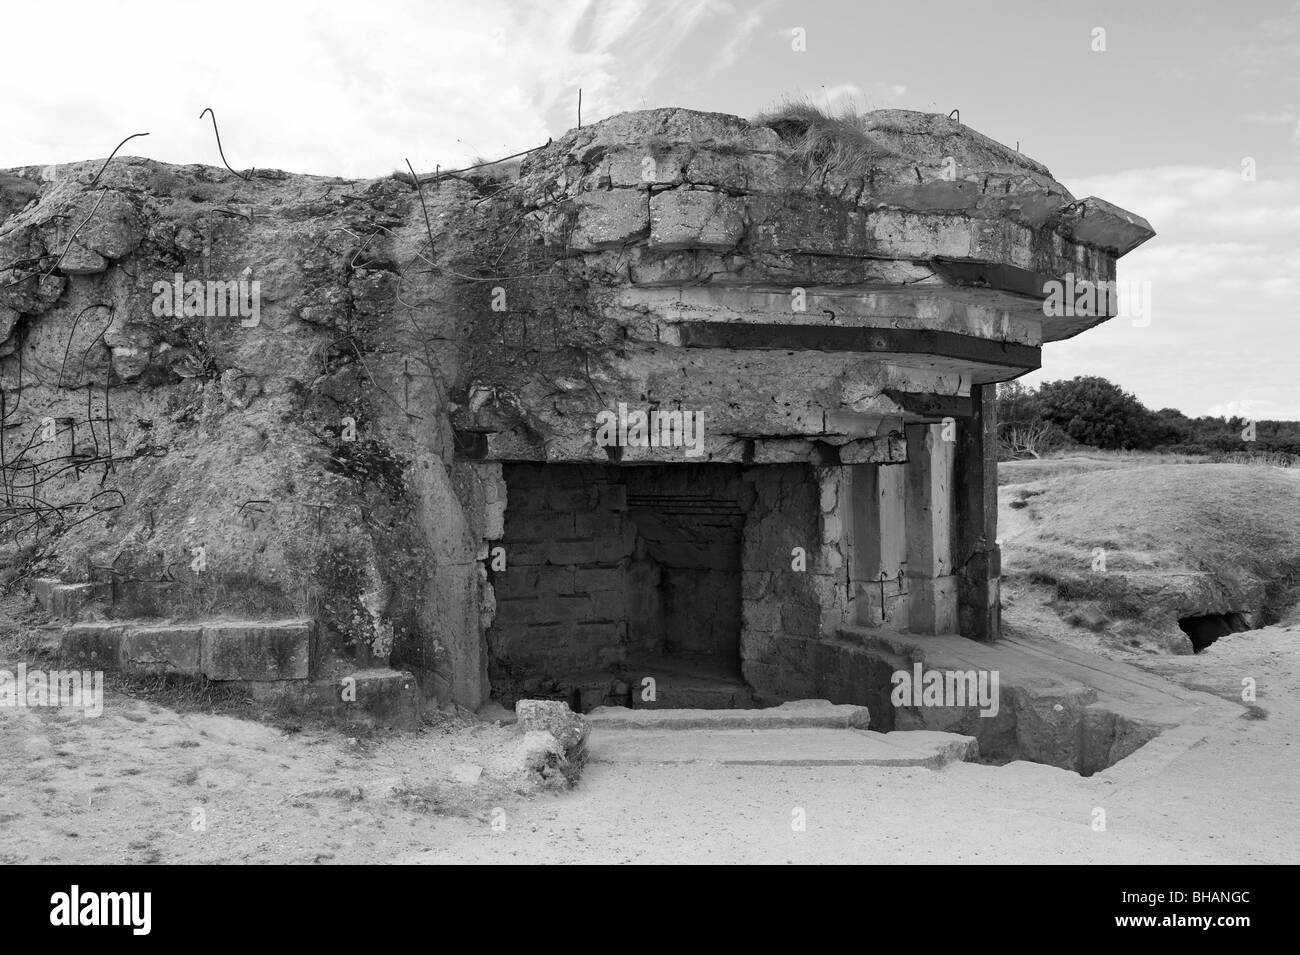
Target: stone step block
{"x": 92, "y": 646}
{"x": 783, "y": 747}
{"x": 248, "y": 651}
{"x": 699, "y": 696}
{"x": 162, "y": 648}
{"x": 385, "y": 697}
{"x": 257, "y": 650}
{"x": 798, "y": 714}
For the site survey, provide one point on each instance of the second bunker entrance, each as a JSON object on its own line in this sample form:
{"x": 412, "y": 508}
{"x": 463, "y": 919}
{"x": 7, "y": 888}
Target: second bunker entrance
{"x": 619, "y": 574}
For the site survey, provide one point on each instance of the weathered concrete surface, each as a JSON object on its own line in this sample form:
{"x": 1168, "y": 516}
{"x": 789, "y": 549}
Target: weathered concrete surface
{"x": 782, "y": 747}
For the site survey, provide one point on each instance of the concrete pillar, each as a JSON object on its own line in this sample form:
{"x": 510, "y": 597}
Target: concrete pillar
{"x": 977, "y": 560}
{"x": 931, "y": 585}
{"x": 878, "y": 545}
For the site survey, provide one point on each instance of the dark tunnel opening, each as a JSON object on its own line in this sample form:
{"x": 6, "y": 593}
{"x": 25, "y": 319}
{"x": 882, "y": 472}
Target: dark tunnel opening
{"x": 1205, "y": 629}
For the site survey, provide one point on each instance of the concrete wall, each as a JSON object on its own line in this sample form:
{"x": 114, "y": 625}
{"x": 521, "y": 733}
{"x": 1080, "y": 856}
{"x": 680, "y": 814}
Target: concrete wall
{"x": 562, "y": 602}
{"x": 607, "y": 565}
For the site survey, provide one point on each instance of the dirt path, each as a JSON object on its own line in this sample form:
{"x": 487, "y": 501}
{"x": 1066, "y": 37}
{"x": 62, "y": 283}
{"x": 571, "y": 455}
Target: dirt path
{"x": 126, "y": 787}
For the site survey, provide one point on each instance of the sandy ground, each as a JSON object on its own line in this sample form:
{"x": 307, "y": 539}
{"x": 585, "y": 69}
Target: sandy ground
{"x": 127, "y": 786}
{"x": 145, "y": 783}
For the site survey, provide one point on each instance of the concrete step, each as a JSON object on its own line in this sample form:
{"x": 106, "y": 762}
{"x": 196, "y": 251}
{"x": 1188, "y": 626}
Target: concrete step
{"x": 227, "y": 650}
{"x": 678, "y": 693}
{"x": 800, "y": 714}
{"x": 271, "y": 658}
{"x": 781, "y": 747}
{"x": 685, "y": 682}
{"x": 127, "y": 599}
{"x": 384, "y": 697}
{"x": 679, "y": 684}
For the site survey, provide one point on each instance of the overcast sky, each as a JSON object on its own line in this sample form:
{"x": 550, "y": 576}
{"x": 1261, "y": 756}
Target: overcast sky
{"x": 1159, "y": 122}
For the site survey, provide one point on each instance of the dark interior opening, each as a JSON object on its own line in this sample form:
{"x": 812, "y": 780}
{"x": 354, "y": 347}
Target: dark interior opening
{"x": 619, "y": 573}
{"x": 1205, "y": 629}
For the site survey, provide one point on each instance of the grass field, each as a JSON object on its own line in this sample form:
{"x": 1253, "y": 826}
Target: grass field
{"x": 1120, "y": 546}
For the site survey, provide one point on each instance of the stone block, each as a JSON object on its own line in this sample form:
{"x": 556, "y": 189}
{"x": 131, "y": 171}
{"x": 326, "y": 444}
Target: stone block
{"x": 881, "y": 450}
{"x": 568, "y": 728}
{"x": 572, "y": 552}
{"x": 174, "y": 648}
{"x": 592, "y": 579}
{"x": 782, "y": 451}
{"x": 257, "y": 650}
{"x": 387, "y": 698}
{"x": 609, "y": 219}
{"x": 595, "y": 524}
{"x": 515, "y": 582}
{"x": 608, "y": 605}
{"x": 92, "y": 646}
{"x": 696, "y": 219}
{"x": 555, "y": 580}
{"x": 557, "y": 608}
{"x": 523, "y": 553}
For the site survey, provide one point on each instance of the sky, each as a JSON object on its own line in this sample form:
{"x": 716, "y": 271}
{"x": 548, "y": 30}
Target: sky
{"x": 1189, "y": 116}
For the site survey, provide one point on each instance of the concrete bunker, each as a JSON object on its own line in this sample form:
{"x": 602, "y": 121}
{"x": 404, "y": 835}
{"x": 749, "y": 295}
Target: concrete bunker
{"x": 840, "y": 327}
{"x": 842, "y": 344}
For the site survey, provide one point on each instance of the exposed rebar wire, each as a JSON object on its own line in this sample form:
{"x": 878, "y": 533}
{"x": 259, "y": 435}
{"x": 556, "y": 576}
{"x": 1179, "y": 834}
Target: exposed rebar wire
{"x": 479, "y": 165}
{"x": 94, "y": 181}
{"x": 72, "y": 334}
{"x": 219, "y": 149}
{"x": 419, "y": 189}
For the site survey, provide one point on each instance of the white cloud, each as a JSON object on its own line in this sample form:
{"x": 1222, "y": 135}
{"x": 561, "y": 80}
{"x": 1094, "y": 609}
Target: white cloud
{"x": 739, "y": 38}
{"x": 1251, "y": 408}
{"x": 1224, "y": 273}
{"x": 334, "y": 90}
{"x": 842, "y": 94}
{"x": 1283, "y": 117}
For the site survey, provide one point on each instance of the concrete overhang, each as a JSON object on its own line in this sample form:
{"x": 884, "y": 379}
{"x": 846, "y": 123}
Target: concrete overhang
{"x": 1109, "y": 227}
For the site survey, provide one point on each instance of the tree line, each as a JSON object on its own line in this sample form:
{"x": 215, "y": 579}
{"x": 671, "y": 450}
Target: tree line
{"x": 1096, "y": 413}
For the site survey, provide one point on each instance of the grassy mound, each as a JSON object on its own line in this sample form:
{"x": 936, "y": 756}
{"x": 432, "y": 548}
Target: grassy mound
{"x": 1125, "y": 552}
